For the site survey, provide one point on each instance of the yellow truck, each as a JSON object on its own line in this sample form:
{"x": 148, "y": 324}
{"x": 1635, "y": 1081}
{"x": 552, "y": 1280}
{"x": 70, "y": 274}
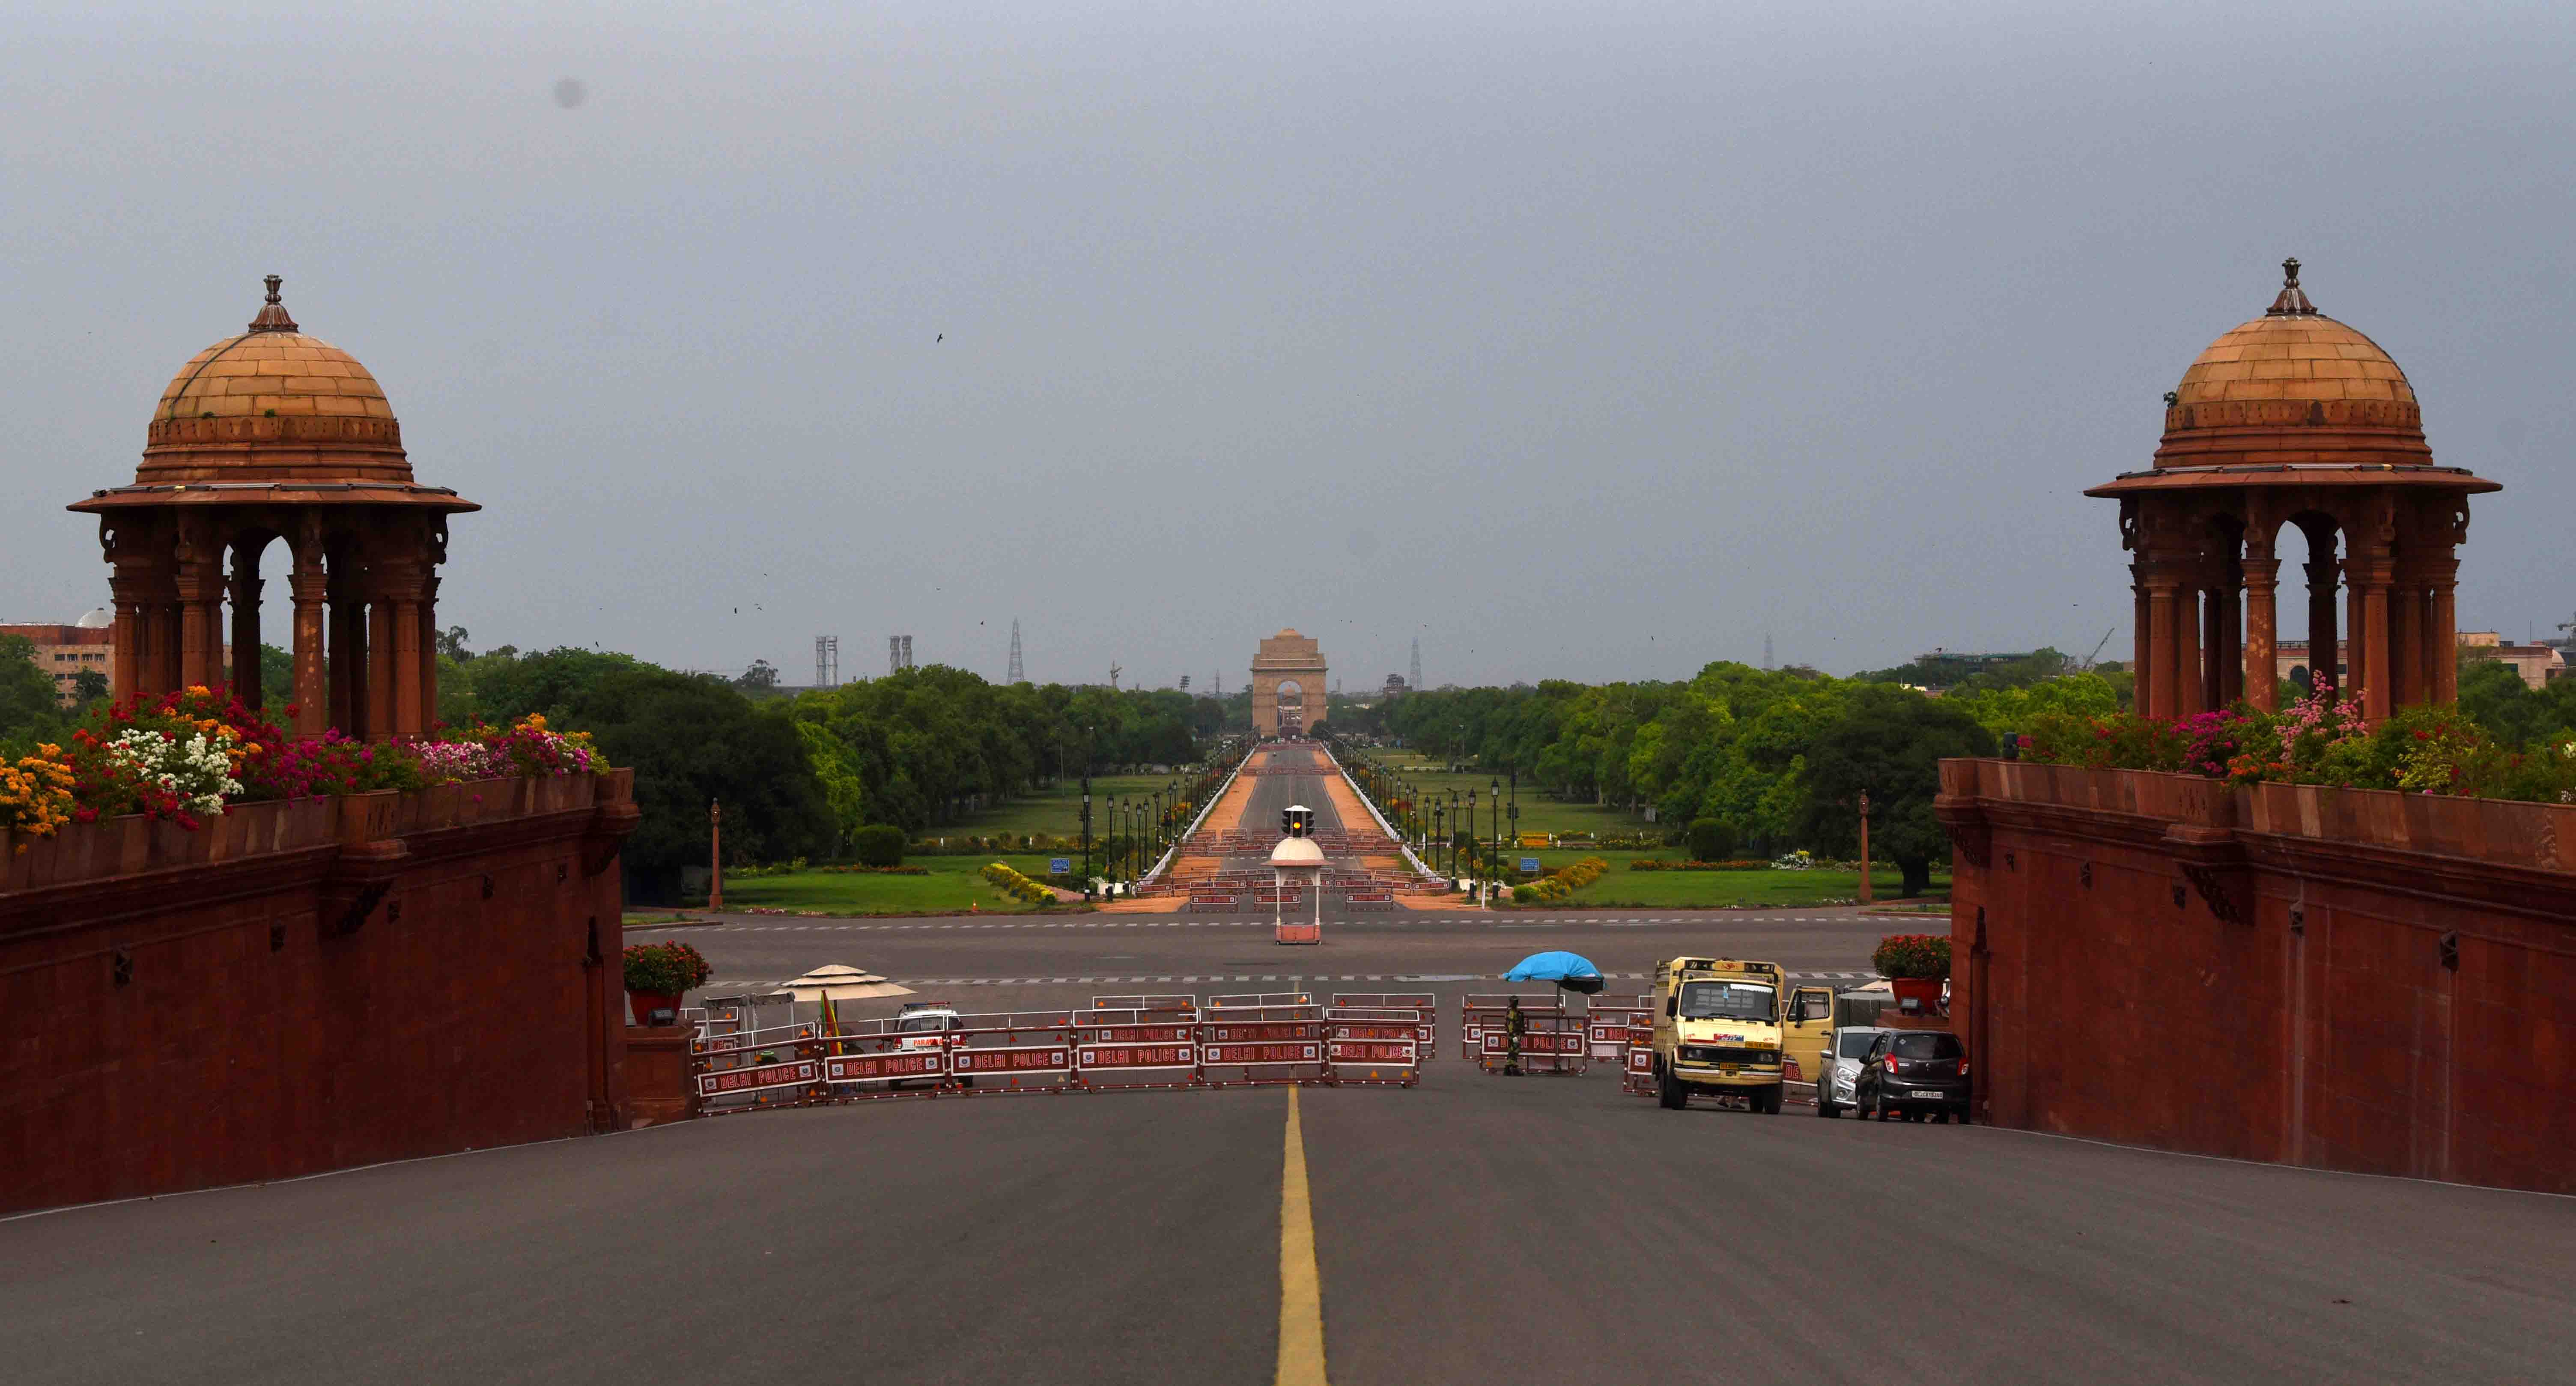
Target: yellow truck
{"x": 1723, "y": 1028}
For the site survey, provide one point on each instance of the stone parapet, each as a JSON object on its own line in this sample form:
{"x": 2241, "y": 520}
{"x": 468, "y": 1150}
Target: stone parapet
{"x": 2351, "y": 979}
{"x": 301, "y": 986}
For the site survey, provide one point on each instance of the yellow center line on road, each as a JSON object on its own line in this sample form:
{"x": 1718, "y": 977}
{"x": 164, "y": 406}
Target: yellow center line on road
{"x": 1301, "y": 1289}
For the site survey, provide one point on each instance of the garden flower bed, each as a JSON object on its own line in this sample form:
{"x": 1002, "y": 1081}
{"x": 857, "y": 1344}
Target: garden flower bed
{"x": 195, "y": 777}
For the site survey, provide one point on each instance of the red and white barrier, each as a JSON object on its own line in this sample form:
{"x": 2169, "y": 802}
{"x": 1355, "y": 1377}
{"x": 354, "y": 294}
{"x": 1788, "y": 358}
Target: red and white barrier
{"x": 1426, "y": 1032}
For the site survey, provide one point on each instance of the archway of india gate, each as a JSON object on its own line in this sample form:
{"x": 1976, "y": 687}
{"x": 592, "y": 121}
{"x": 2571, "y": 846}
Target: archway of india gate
{"x": 2290, "y": 420}
{"x": 1296, "y": 662}
{"x": 268, "y": 437}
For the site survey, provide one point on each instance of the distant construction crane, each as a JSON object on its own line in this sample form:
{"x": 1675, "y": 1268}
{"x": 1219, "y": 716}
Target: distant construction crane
{"x": 1015, "y": 676}
{"x": 2087, "y": 665}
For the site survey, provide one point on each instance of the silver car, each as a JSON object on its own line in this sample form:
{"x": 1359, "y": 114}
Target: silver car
{"x": 1844, "y": 1047}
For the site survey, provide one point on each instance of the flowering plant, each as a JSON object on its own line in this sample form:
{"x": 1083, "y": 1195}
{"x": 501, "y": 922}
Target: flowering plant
{"x": 1920, "y": 956}
{"x": 665, "y": 969}
{"x": 36, "y": 793}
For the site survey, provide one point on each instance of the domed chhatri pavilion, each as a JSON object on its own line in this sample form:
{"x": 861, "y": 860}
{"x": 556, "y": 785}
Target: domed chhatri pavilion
{"x": 2293, "y": 418}
{"x": 274, "y": 435}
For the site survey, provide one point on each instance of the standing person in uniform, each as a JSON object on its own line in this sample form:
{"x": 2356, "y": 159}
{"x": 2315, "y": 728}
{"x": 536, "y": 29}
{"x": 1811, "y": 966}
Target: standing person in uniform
{"x": 1514, "y": 1026}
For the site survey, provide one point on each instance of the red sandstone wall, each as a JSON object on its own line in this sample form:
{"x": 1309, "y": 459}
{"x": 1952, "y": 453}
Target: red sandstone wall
{"x": 2319, "y": 1024}
{"x": 473, "y": 1006}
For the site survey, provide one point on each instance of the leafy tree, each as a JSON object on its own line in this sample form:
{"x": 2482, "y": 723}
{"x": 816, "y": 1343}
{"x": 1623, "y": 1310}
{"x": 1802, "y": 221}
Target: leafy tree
{"x": 761, "y": 677}
{"x": 88, "y": 686}
{"x": 30, "y": 708}
{"x": 1890, "y": 743}
{"x": 276, "y": 675}
{"x": 878, "y": 844}
{"x": 692, "y": 740}
{"x": 1711, "y": 839}
{"x": 451, "y": 643}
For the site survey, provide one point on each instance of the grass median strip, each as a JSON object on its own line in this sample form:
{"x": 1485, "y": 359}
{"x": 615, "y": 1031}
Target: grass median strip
{"x": 1301, "y": 1287}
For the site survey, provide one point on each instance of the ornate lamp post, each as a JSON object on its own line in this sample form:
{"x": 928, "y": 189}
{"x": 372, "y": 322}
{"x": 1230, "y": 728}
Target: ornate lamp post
{"x": 1494, "y": 817}
{"x": 715, "y": 855}
{"x": 1515, "y": 814}
{"x": 1439, "y": 829}
{"x": 1468, "y": 826}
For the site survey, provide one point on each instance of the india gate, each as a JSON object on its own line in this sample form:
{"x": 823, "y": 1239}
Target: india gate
{"x": 1287, "y": 679}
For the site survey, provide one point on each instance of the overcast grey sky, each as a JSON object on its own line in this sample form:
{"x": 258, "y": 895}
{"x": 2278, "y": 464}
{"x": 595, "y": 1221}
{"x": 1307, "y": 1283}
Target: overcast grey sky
{"x": 1582, "y": 340}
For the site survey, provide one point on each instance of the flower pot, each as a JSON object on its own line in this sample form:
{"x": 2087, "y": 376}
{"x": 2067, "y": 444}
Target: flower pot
{"x": 1916, "y": 995}
{"x": 644, "y": 1003}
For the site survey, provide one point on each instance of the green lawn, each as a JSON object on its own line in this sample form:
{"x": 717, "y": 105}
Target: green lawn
{"x": 1056, "y": 810}
{"x": 952, "y": 885}
{"x": 1539, "y": 814}
{"x": 1621, "y": 888}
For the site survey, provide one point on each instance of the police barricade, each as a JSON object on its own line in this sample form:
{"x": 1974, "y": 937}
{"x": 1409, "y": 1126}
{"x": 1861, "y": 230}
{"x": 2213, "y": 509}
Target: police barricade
{"x": 1606, "y": 1024}
{"x": 1164, "y": 1002}
{"x": 1549, "y": 1043}
{"x": 1004, "y": 1052}
{"x": 1426, "y": 1038}
{"x": 1264, "y": 998}
{"x": 1263, "y": 1044}
{"x": 1134, "y": 1048}
{"x": 1487, "y": 1009}
{"x": 1373, "y": 1045}
{"x": 1637, "y": 1055}
{"x": 738, "y": 1065}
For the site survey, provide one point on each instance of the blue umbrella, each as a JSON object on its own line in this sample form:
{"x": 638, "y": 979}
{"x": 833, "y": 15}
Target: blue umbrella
{"x": 1572, "y": 971}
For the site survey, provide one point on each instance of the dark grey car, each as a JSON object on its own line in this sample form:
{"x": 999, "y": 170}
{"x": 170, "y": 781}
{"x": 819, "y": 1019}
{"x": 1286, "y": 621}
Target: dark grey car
{"x": 1914, "y": 1074}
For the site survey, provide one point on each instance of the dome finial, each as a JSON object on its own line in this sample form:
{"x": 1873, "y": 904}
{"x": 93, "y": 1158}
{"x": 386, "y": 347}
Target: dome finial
{"x": 2293, "y": 299}
{"x": 272, "y": 315}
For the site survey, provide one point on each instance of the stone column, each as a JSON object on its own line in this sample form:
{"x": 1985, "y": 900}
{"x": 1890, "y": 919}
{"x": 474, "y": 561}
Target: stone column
{"x": 408, "y": 657}
{"x": 2157, "y": 695}
{"x": 2322, "y": 654}
{"x": 311, "y": 587}
{"x": 383, "y": 675}
{"x": 2260, "y": 670}
{"x": 2441, "y": 632}
{"x": 348, "y": 677}
{"x": 428, "y": 653}
{"x": 245, "y": 597}
{"x": 2367, "y": 600}
{"x": 2141, "y": 635}
{"x": 2410, "y": 609}
{"x": 2188, "y": 678}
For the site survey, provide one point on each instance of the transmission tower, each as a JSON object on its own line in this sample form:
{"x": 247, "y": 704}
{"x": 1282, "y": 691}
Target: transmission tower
{"x": 1015, "y": 675}
{"x": 827, "y": 661}
{"x": 1417, "y": 663}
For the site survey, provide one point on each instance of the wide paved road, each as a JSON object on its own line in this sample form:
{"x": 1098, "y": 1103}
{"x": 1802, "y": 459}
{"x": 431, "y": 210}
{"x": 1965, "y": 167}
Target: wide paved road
{"x": 1473, "y": 1230}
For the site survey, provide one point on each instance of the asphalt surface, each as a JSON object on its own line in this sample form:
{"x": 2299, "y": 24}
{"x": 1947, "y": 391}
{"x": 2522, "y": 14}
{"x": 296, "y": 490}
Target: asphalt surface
{"x": 1475, "y": 1229}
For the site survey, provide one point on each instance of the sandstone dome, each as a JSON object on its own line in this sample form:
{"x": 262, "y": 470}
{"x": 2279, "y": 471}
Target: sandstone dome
{"x": 276, "y": 411}
{"x": 2293, "y": 387}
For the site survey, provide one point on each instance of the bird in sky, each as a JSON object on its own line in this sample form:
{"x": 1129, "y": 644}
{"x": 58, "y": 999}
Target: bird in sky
{"x": 940, "y": 338}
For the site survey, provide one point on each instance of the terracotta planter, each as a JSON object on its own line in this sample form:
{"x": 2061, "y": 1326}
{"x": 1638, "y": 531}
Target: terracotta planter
{"x": 1924, "y": 994}
{"x": 644, "y": 1003}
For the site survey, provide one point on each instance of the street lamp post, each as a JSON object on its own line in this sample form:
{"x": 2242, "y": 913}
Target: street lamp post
{"x": 1494, "y": 817}
{"x": 1086, "y": 832}
{"x": 1864, "y": 847}
{"x": 1470, "y": 826}
{"x": 1439, "y": 828}
{"x": 1109, "y": 864}
{"x": 1515, "y": 814}
{"x": 715, "y": 855}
